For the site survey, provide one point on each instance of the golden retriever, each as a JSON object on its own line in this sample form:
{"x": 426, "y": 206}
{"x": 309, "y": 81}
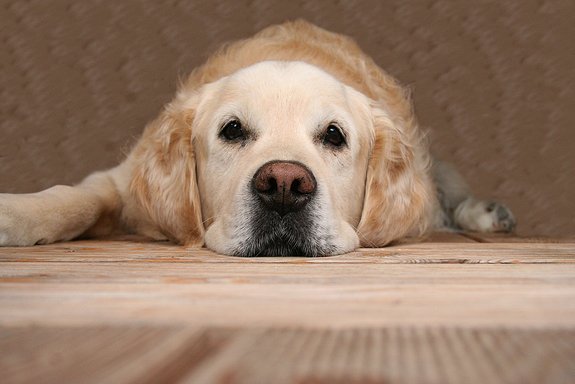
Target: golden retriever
{"x": 291, "y": 142}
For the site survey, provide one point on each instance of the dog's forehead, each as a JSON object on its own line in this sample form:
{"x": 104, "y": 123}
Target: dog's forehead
{"x": 285, "y": 82}
{"x": 294, "y": 72}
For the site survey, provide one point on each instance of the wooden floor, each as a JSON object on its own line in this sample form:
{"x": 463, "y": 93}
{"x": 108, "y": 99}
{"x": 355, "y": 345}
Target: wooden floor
{"x": 455, "y": 309}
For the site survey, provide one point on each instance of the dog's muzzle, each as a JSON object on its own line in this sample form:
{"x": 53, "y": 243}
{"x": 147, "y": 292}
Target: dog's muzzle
{"x": 283, "y": 219}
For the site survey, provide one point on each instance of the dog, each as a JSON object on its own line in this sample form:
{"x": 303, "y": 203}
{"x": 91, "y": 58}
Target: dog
{"x": 291, "y": 142}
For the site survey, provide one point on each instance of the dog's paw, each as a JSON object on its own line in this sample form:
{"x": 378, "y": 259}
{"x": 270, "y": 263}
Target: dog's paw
{"x": 8, "y": 230}
{"x": 11, "y": 233}
{"x": 4, "y": 240}
{"x": 501, "y": 216}
{"x": 16, "y": 229}
{"x": 484, "y": 216}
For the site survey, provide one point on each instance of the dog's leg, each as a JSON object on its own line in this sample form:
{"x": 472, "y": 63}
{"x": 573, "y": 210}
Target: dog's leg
{"x": 61, "y": 212}
{"x": 461, "y": 210}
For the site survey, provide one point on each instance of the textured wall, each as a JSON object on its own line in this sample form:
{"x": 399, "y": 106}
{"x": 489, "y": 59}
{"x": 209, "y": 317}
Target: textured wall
{"x": 492, "y": 81}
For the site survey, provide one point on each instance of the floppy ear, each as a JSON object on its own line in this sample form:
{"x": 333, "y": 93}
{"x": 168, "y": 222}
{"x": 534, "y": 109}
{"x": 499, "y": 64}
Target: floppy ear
{"x": 399, "y": 194}
{"x": 164, "y": 179}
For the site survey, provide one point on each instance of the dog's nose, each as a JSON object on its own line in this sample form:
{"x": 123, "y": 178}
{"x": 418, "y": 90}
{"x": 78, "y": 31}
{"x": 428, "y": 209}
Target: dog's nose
{"x": 284, "y": 186}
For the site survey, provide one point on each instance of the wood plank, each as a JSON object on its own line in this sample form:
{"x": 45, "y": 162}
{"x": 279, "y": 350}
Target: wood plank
{"x": 287, "y": 355}
{"x": 163, "y": 252}
{"x": 514, "y": 238}
{"x": 447, "y": 310}
{"x": 132, "y": 354}
{"x": 393, "y": 355}
{"x": 351, "y": 274}
{"x": 332, "y": 295}
{"x": 114, "y": 282}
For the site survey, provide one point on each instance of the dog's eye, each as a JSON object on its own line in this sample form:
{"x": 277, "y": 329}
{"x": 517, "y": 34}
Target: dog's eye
{"x": 333, "y": 136}
{"x": 233, "y": 131}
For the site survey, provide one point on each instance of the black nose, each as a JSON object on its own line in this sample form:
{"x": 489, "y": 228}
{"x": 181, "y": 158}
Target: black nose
{"x": 284, "y": 186}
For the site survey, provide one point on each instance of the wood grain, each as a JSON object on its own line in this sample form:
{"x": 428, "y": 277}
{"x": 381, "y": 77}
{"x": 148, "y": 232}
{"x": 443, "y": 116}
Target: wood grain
{"x": 448, "y": 310}
{"x": 393, "y": 355}
{"x": 135, "y": 354}
{"x": 139, "y": 354}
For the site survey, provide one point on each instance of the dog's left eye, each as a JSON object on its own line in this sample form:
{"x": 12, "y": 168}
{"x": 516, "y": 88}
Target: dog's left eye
{"x": 233, "y": 131}
{"x": 333, "y": 136}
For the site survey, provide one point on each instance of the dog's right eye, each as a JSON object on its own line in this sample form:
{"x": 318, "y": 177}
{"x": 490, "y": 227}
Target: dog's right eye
{"x": 333, "y": 136}
{"x": 233, "y": 131}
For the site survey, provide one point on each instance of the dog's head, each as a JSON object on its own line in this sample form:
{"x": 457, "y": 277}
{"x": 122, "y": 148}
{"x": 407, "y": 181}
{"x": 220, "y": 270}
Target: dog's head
{"x": 281, "y": 158}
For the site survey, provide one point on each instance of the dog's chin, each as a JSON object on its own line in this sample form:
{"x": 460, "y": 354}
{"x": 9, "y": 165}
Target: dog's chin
{"x": 275, "y": 248}
{"x": 294, "y": 234}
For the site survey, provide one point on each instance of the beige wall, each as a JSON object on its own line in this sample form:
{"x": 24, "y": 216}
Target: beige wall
{"x": 492, "y": 81}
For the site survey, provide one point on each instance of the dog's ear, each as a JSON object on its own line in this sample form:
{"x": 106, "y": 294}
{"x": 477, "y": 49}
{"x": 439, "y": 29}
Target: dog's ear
{"x": 164, "y": 179}
{"x": 399, "y": 194}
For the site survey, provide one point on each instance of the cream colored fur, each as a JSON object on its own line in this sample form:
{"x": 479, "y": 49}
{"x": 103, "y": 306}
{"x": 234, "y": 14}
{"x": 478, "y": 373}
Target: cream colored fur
{"x": 286, "y": 84}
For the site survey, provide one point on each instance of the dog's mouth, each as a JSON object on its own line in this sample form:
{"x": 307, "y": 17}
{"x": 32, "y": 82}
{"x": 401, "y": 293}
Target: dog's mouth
{"x": 283, "y": 213}
{"x": 290, "y": 235}
{"x": 276, "y": 247}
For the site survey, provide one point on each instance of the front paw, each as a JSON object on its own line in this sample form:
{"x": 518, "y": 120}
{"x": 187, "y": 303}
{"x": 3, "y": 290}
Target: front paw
{"x": 12, "y": 231}
{"x": 4, "y": 239}
{"x": 16, "y": 230}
